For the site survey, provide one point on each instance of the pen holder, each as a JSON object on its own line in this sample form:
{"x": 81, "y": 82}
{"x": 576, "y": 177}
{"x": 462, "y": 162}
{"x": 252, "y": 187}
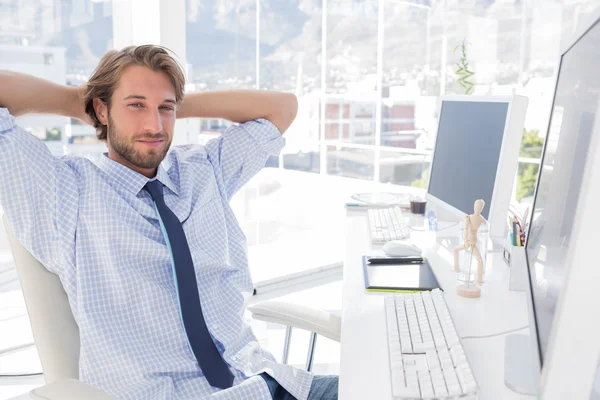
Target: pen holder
{"x": 468, "y": 263}
{"x": 514, "y": 257}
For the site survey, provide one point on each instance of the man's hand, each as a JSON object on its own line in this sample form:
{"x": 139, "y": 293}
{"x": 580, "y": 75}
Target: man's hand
{"x": 79, "y": 106}
{"x": 241, "y": 106}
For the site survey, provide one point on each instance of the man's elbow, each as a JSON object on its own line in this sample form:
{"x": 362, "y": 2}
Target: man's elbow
{"x": 288, "y": 112}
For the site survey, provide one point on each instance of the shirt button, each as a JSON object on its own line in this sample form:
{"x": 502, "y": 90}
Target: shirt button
{"x": 233, "y": 358}
{"x": 215, "y": 326}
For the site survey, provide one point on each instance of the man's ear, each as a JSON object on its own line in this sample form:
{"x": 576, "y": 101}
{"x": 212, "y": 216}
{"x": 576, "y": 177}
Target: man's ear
{"x": 101, "y": 111}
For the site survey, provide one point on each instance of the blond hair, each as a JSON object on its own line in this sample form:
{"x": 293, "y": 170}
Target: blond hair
{"x": 106, "y": 76}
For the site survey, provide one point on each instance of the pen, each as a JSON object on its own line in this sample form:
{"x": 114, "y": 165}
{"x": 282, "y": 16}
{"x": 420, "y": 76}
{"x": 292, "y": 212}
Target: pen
{"x": 521, "y": 234}
{"x": 361, "y": 205}
{"x": 356, "y": 205}
{"x": 396, "y": 260}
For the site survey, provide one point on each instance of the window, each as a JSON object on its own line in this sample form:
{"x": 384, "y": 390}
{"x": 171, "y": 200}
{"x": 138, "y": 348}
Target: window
{"x": 368, "y": 75}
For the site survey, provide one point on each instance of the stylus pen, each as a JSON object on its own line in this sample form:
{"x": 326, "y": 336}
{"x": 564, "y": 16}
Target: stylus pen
{"x": 361, "y": 205}
{"x": 397, "y": 260}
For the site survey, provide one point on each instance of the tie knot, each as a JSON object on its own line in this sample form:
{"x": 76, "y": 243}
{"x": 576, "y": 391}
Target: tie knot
{"x": 155, "y": 188}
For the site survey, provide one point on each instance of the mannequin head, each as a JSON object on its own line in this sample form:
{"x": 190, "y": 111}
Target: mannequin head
{"x": 478, "y": 207}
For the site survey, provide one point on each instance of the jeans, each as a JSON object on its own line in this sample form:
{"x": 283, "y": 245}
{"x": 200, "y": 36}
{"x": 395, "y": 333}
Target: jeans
{"x": 324, "y": 387}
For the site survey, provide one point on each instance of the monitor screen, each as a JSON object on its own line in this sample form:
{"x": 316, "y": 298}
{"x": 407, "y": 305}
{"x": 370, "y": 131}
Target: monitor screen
{"x": 467, "y": 151}
{"x": 571, "y": 127}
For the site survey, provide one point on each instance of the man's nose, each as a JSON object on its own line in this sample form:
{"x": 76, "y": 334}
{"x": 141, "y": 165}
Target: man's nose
{"x": 153, "y": 122}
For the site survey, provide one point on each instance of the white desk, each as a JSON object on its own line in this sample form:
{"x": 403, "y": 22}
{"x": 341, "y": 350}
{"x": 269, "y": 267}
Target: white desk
{"x": 364, "y": 368}
{"x": 284, "y": 212}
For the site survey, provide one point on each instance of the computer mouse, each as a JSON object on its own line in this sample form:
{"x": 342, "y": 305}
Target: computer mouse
{"x": 397, "y": 248}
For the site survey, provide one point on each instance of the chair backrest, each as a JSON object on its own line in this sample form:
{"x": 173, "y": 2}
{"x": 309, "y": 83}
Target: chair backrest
{"x": 54, "y": 329}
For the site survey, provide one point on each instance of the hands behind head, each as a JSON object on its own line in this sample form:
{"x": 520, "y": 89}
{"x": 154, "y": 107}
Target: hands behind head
{"x": 79, "y": 111}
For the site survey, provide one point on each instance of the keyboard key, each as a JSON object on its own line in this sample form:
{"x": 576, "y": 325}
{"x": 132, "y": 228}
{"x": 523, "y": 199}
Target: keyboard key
{"x": 414, "y": 363}
{"x": 412, "y": 379}
{"x": 454, "y": 389}
{"x": 432, "y": 360}
{"x": 440, "y": 390}
{"x": 407, "y": 392}
{"x": 424, "y": 378}
{"x": 398, "y": 376}
{"x": 427, "y": 392}
{"x": 458, "y": 355}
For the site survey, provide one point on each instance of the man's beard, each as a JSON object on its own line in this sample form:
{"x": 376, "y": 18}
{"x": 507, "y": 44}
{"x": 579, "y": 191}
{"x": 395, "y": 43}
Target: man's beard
{"x": 126, "y": 150}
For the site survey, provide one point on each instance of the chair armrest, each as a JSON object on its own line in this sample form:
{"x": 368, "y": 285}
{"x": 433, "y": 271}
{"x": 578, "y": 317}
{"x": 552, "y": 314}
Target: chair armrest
{"x": 69, "y": 389}
{"x": 296, "y": 316}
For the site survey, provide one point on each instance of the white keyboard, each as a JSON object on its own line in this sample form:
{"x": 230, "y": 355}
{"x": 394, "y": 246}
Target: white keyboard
{"x": 427, "y": 360}
{"x": 387, "y": 224}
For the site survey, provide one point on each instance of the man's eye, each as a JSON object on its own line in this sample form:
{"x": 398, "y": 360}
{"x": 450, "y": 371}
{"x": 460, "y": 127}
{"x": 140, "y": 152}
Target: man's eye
{"x": 167, "y": 108}
{"x": 137, "y": 105}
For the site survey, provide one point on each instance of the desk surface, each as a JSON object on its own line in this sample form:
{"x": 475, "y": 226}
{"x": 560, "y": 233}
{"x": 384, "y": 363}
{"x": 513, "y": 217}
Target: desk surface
{"x": 284, "y": 211}
{"x": 364, "y": 370}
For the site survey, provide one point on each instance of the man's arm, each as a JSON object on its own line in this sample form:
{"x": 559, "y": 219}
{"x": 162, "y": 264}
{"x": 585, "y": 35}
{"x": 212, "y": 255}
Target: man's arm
{"x": 38, "y": 192}
{"x": 25, "y": 94}
{"x": 241, "y": 106}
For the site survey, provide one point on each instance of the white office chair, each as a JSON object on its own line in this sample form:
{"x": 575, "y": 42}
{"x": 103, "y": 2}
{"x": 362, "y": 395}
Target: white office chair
{"x": 56, "y": 334}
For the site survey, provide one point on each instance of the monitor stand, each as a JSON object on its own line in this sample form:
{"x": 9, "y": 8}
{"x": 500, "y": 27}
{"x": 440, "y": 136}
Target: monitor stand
{"x": 448, "y": 229}
{"x": 519, "y": 374}
{"x": 448, "y": 235}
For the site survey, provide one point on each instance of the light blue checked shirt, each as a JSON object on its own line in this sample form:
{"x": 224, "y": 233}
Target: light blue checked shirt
{"x": 96, "y": 228}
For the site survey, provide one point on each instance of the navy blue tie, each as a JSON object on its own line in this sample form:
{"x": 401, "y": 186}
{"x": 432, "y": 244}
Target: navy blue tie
{"x": 212, "y": 364}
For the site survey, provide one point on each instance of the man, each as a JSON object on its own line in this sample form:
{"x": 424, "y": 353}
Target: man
{"x": 140, "y": 246}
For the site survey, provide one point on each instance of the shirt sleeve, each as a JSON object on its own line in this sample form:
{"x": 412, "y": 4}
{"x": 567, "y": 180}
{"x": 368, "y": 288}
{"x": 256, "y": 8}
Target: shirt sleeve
{"x": 38, "y": 193}
{"x": 242, "y": 151}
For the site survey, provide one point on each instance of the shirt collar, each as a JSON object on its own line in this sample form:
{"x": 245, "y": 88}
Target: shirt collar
{"x": 133, "y": 180}
{"x": 163, "y": 176}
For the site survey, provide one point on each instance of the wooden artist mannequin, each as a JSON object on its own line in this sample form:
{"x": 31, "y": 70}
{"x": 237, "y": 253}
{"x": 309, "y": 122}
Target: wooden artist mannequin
{"x": 472, "y": 224}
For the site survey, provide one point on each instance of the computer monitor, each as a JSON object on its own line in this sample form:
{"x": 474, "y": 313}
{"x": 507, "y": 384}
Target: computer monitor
{"x": 562, "y": 245}
{"x": 475, "y": 157}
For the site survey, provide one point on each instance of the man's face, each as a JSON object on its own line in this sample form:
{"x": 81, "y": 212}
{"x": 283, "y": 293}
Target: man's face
{"x": 141, "y": 119}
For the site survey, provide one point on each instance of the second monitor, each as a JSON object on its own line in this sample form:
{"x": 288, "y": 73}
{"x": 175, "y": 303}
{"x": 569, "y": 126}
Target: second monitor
{"x": 476, "y": 156}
